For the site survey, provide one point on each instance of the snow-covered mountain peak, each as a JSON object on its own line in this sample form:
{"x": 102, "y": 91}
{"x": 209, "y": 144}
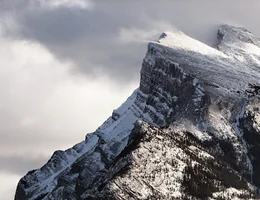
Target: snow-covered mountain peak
{"x": 190, "y": 131}
{"x": 177, "y": 40}
{"x": 240, "y": 44}
{"x": 232, "y": 65}
{"x": 233, "y": 34}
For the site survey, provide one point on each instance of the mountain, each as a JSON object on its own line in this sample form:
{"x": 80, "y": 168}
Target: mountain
{"x": 190, "y": 131}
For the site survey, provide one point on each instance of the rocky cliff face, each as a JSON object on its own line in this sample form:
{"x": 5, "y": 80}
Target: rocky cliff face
{"x": 190, "y": 131}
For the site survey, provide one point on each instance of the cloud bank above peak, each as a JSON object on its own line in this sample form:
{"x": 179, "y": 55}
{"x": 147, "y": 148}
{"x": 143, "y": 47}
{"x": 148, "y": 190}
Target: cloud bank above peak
{"x": 110, "y": 37}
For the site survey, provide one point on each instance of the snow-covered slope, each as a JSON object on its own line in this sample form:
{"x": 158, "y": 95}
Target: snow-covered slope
{"x": 190, "y": 131}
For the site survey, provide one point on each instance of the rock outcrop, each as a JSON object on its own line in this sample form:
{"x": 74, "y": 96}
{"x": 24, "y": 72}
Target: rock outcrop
{"x": 190, "y": 131}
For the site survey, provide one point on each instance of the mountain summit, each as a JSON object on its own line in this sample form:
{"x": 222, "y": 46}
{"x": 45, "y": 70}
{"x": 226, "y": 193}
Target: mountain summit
{"x": 190, "y": 131}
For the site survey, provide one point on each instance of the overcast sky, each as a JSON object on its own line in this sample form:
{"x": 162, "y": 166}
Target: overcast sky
{"x": 65, "y": 65}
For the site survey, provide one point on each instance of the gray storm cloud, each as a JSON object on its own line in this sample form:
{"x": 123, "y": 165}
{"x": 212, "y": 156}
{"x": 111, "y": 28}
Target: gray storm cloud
{"x": 93, "y": 38}
{"x": 59, "y": 61}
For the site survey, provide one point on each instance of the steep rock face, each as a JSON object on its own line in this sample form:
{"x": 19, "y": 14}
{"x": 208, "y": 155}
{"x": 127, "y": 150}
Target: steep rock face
{"x": 172, "y": 164}
{"x": 191, "y": 130}
{"x": 250, "y": 128}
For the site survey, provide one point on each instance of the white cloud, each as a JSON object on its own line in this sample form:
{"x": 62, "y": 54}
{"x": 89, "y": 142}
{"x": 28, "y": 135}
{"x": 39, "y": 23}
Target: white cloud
{"x": 8, "y": 185}
{"x": 41, "y": 98}
{"x": 130, "y": 35}
{"x": 17, "y": 6}
{"x": 141, "y": 35}
{"x": 81, "y": 4}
